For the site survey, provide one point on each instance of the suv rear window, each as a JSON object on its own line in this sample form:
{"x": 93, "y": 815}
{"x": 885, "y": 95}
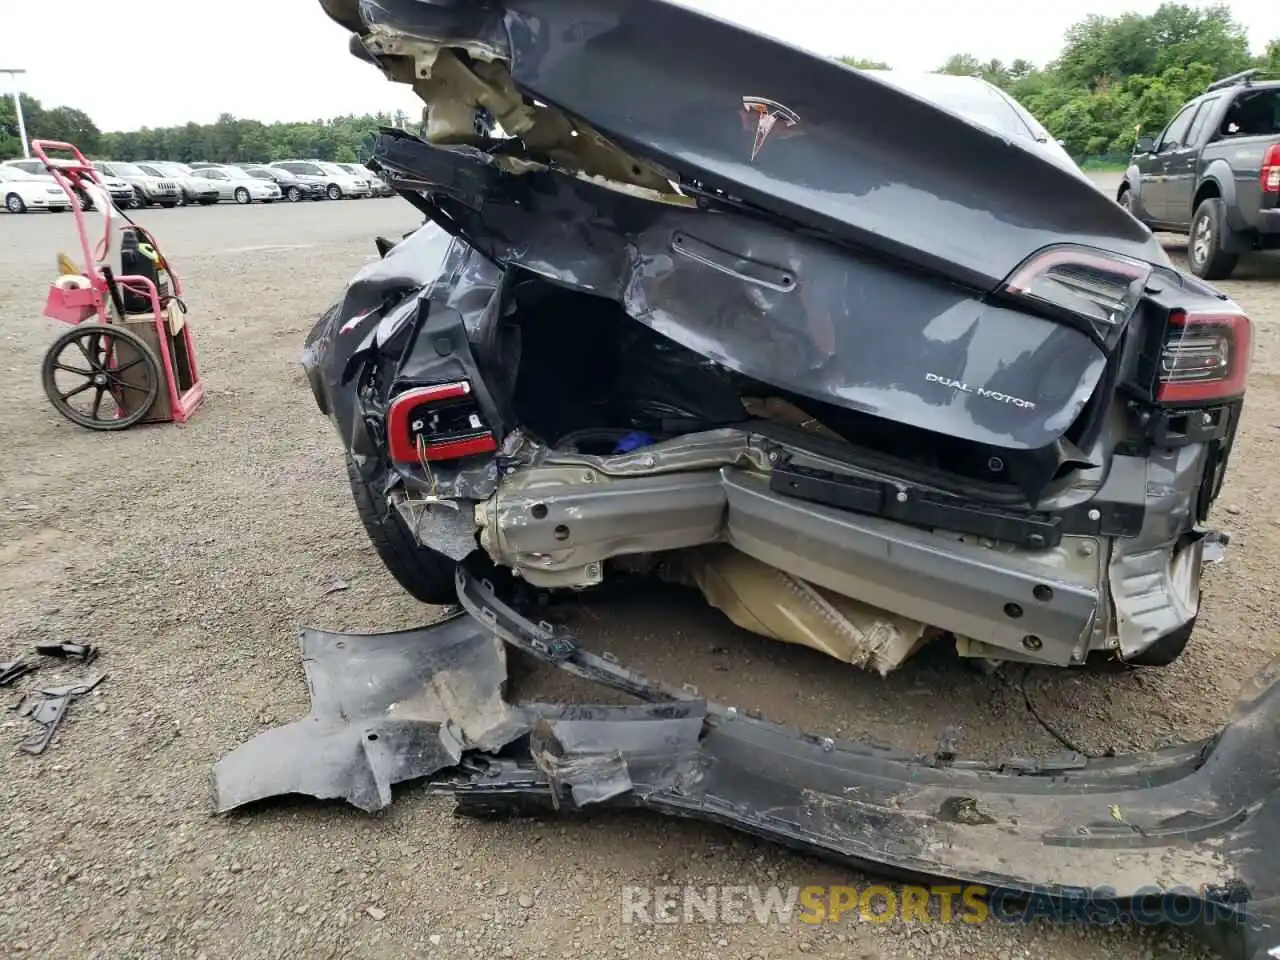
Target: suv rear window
{"x": 1254, "y": 114}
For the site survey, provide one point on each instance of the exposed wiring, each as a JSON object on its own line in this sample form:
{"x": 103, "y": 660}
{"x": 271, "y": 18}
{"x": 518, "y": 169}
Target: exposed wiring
{"x": 1048, "y": 727}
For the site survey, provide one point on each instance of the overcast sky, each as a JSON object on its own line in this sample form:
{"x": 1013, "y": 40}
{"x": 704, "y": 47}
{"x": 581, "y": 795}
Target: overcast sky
{"x": 285, "y": 60}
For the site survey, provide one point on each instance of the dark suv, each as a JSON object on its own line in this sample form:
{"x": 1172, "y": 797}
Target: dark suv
{"x": 1214, "y": 174}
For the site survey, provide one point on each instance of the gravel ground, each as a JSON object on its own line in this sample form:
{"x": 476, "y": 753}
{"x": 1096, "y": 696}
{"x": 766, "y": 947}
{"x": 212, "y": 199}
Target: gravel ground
{"x": 193, "y": 554}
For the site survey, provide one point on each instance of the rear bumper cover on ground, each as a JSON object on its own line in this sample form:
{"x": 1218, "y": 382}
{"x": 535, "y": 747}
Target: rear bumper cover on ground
{"x": 1192, "y": 827}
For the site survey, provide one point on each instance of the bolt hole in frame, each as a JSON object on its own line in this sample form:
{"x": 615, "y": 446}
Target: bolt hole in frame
{"x": 113, "y": 372}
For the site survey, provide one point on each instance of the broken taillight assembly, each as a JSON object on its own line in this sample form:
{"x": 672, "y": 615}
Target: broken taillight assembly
{"x": 1271, "y": 170}
{"x": 1082, "y": 283}
{"x": 437, "y": 422}
{"x": 1204, "y": 357}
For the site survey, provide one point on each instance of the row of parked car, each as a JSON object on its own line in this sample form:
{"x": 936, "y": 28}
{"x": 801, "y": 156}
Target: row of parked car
{"x": 26, "y": 185}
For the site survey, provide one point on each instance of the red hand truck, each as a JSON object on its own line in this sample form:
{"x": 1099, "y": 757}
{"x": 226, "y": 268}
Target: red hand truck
{"x": 130, "y": 356}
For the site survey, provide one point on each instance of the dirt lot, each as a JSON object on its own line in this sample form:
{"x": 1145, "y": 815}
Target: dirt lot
{"x": 193, "y": 554}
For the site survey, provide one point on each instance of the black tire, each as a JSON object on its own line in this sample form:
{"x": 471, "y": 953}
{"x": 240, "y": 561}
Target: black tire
{"x": 169, "y": 204}
{"x": 1204, "y": 243}
{"x": 88, "y": 363}
{"x": 334, "y": 192}
{"x": 208, "y": 201}
{"x": 242, "y": 196}
{"x": 15, "y": 204}
{"x": 424, "y": 573}
{"x": 1165, "y": 650}
{"x": 1126, "y": 202}
{"x": 294, "y": 194}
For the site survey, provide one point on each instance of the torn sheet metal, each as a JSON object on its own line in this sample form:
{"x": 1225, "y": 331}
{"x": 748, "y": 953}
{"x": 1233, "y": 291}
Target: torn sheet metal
{"x": 1196, "y": 824}
{"x": 385, "y": 708}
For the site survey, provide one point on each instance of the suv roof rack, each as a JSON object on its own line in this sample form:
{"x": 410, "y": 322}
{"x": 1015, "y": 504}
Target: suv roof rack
{"x": 1244, "y": 76}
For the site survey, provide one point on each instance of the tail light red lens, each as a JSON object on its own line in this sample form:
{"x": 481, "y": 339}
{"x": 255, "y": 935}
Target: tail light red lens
{"x": 1205, "y": 357}
{"x": 437, "y": 422}
{"x": 1271, "y": 170}
{"x": 1101, "y": 287}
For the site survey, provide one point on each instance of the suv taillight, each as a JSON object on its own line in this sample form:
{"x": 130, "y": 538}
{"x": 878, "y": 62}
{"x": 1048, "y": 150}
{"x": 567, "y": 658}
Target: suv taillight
{"x": 1271, "y": 170}
{"x": 1100, "y": 287}
{"x": 1205, "y": 357}
{"x": 437, "y": 422}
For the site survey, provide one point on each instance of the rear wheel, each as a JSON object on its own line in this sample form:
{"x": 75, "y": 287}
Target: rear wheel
{"x": 15, "y": 204}
{"x": 294, "y": 194}
{"x": 102, "y": 377}
{"x": 334, "y": 192}
{"x": 1204, "y": 245}
{"x": 1165, "y": 650}
{"x": 424, "y": 573}
{"x": 1126, "y": 202}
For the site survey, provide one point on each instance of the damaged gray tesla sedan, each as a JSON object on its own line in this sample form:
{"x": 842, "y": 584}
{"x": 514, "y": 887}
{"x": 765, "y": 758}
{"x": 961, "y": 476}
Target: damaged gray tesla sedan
{"x": 866, "y": 373}
{"x": 694, "y": 303}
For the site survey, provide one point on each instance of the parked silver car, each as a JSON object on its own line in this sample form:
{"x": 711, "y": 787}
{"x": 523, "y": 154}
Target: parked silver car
{"x": 339, "y": 184}
{"x": 147, "y": 189}
{"x": 193, "y": 189}
{"x": 236, "y": 184}
{"x": 377, "y": 186}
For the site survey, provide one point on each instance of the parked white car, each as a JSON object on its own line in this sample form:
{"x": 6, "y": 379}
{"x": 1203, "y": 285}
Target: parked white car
{"x": 235, "y": 184}
{"x": 338, "y": 183}
{"x": 23, "y": 192}
{"x": 122, "y": 194}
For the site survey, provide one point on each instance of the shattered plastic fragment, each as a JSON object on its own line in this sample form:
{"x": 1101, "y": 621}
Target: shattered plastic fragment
{"x": 384, "y": 708}
{"x": 1200, "y": 817}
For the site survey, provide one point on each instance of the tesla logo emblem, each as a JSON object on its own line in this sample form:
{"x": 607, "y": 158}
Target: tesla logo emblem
{"x": 768, "y": 115}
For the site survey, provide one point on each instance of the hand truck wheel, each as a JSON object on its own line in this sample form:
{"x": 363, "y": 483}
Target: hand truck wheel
{"x": 110, "y": 373}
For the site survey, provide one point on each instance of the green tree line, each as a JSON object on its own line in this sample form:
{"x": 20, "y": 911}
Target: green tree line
{"x": 346, "y": 139}
{"x": 1115, "y": 76}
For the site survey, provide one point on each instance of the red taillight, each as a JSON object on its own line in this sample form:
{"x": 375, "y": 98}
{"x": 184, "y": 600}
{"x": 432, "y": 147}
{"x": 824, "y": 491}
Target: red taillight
{"x": 1205, "y": 356}
{"x": 1271, "y": 170}
{"x": 1096, "y": 285}
{"x": 437, "y": 422}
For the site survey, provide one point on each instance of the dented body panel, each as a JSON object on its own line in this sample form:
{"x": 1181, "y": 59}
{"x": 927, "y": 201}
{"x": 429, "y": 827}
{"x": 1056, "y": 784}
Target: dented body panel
{"x": 977, "y": 442}
{"x": 864, "y": 372}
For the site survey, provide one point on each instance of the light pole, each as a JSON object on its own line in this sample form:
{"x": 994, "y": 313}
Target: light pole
{"x": 17, "y": 106}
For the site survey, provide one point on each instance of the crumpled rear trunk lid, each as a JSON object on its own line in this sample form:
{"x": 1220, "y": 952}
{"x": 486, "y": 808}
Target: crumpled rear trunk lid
{"x": 791, "y": 219}
{"x": 824, "y": 146}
